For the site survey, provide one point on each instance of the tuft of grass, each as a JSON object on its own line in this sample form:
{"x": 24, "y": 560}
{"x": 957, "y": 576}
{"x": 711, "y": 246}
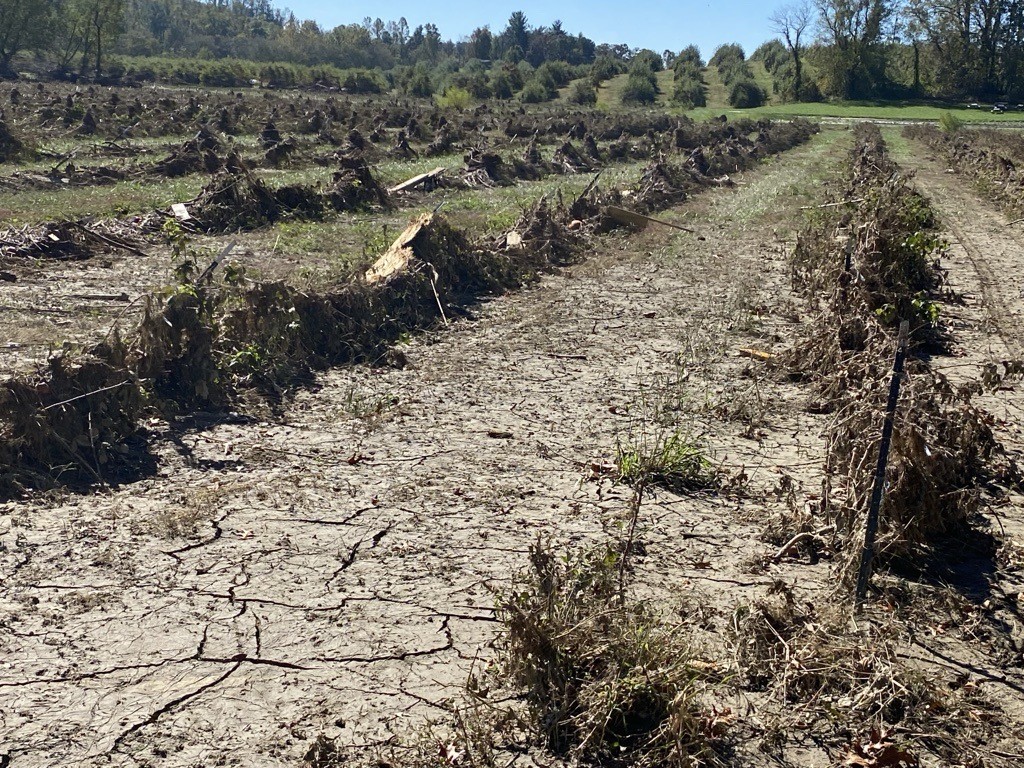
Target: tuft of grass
{"x": 672, "y": 460}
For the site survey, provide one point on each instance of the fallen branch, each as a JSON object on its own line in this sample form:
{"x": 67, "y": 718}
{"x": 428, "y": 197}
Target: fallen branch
{"x": 786, "y": 548}
{"x": 638, "y": 219}
{"x": 831, "y": 205}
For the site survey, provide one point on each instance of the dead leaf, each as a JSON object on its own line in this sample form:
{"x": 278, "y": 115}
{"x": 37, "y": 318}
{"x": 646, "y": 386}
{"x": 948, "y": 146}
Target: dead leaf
{"x": 878, "y": 752}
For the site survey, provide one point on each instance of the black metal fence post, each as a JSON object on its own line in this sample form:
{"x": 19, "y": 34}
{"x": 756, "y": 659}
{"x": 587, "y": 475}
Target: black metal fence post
{"x": 871, "y": 528}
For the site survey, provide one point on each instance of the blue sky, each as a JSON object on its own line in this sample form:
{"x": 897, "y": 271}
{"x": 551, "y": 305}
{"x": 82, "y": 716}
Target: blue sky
{"x": 640, "y": 23}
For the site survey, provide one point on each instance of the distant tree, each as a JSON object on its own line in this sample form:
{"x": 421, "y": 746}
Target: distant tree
{"x": 24, "y": 24}
{"x": 691, "y": 54}
{"x": 852, "y": 30}
{"x": 480, "y": 43}
{"x": 104, "y": 20}
{"x": 792, "y": 21}
{"x": 517, "y": 33}
{"x": 649, "y": 59}
{"x": 728, "y": 52}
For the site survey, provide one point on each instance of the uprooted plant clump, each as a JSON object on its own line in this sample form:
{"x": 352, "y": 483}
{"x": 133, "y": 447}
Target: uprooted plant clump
{"x": 866, "y": 265}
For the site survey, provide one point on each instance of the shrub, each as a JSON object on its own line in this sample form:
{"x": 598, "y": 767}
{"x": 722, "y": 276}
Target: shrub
{"x": 546, "y": 80}
{"x": 745, "y": 94}
{"x": 501, "y": 85}
{"x": 583, "y": 92}
{"x": 221, "y": 74}
{"x": 690, "y": 55}
{"x": 605, "y": 68}
{"x": 649, "y": 59}
{"x": 639, "y": 91}
{"x": 362, "y": 81}
{"x": 729, "y": 52}
{"x": 809, "y": 91}
{"x": 641, "y": 87}
{"x": 455, "y": 98}
{"x": 419, "y": 84}
{"x": 278, "y": 76}
{"x": 689, "y": 93}
{"x": 534, "y": 93}
{"x": 950, "y": 123}
{"x": 561, "y": 74}
{"x": 684, "y": 68}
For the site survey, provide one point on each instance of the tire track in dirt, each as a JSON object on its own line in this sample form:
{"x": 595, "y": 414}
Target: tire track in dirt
{"x": 336, "y": 574}
{"x": 995, "y": 251}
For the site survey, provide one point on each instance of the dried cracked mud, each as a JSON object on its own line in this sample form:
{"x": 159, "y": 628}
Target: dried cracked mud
{"x": 334, "y": 571}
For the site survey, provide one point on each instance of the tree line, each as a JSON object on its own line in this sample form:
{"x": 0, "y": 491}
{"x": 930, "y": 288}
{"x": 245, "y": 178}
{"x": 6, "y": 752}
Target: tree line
{"x": 825, "y": 48}
{"x": 76, "y": 35}
{"x": 897, "y": 48}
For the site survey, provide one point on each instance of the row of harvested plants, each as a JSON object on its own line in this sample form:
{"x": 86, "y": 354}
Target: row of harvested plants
{"x": 991, "y": 158}
{"x": 237, "y": 198}
{"x": 599, "y": 677}
{"x": 209, "y": 340}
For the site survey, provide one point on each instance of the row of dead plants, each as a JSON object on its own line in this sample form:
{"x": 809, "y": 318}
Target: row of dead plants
{"x": 867, "y": 262}
{"x": 855, "y": 688}
{"x": 989, "y": 158}
{"x": 205, "y": 342}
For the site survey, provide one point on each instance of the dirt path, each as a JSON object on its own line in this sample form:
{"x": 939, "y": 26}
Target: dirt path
{"x": 982, "y": 241}
{"x": 334, "y": 572}
{"x": 985, "y": 269}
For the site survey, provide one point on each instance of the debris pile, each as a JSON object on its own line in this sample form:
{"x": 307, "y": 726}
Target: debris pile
{"x": 198, "y": 154}
{"x": 864, "y": 271}
{"x": 354, "y": 186}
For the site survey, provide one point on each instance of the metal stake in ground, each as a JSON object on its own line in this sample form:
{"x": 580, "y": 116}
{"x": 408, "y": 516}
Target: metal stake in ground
{"x": 871, "y": 528}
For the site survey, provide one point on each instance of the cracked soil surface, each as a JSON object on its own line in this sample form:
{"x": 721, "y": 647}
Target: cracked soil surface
{"x": 334, "y": 571}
